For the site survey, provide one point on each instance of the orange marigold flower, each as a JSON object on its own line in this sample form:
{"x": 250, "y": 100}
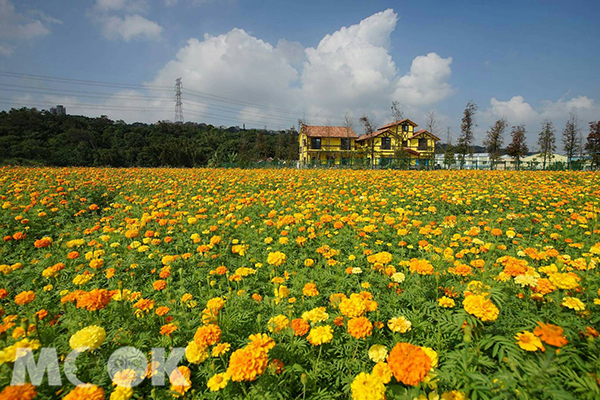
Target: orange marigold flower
{"x": 73, "y": 255}
{"x": 247, "y": 363}
{"x": 551, "y": 334}
{"x": 409, "y": 363}
{"x": 207, "y": 335}
{"x": 159, "y": 285}
{"x": 18, "y": 392}
{"x": 180, "y": 380}
{"x": 300, "y": 327}
{"x": 94, "y": 300}
{"x": 422, "y": 267}
{"x": 168, "y": 329}
{"x": 86, "y": 392}
{"x": 310, "y": 290}
{"x": 360, "y": 327}
{"x": 161, "y": 311}
{"x": 25, "y": 297}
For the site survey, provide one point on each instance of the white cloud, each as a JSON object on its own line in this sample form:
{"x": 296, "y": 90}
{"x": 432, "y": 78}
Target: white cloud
{"x": 516, "y": 110}
{"x": 18, "y": 26}
{"x": 426, "y": 82}
{"x": 123, "y": 19}
{"x": 350, "y": 70}
{"x": 130, "y": 27}
{"x": 234, "y": 65}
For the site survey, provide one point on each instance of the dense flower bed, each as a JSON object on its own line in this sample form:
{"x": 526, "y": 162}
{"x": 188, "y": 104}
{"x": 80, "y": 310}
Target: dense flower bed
{"x": 305, "y": 284}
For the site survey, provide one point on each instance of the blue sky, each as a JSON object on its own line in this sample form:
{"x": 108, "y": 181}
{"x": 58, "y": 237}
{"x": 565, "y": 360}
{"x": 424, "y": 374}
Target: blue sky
{"x": 523, "y": 60}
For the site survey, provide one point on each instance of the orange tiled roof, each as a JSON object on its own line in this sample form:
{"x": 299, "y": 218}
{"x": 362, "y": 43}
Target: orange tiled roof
{"x": 329, "y": 131}
{"x": 402, "y": 121}
{"x": 421, "y": 131}
{"x": 372, "y": 134}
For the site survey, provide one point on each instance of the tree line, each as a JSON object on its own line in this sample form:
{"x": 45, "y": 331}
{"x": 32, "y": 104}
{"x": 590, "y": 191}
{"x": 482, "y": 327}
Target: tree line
{"x": 572, "y": 144}
{"x": 33, "y": 137}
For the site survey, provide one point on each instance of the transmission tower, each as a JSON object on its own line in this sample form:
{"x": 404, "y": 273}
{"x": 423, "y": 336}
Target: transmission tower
{"x": 178, "y": 108}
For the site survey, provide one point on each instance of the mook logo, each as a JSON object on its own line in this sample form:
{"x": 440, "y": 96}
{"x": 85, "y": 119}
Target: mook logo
{"x": 126, "y": 367}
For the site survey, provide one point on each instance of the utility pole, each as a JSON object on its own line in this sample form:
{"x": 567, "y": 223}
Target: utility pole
{"x": 448, "y": 137}
{"x": 178, "y": 107}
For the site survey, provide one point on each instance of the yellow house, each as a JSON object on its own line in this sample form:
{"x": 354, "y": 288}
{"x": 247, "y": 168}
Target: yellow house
{"x": 398, "y": 140}
{"x": 326, "y": 145}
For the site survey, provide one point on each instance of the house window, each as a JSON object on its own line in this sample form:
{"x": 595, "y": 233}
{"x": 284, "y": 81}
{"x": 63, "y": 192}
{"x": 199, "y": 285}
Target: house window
{"x": 345, "y": 144}
{"x": 423, "y": 144}
{"x": 386, "y": 143}
{"x": 405, "y": 143}
{"x": 315, "y": 143}
{"x": 405, "y": 128}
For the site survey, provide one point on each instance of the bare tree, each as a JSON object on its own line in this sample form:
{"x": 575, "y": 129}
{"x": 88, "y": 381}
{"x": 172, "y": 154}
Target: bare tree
{"x": 433, "y": 124}
{"x": 465, "y": 140}
{"x": 569, "y": 137}
{"x": 547, "y": 141}
{"x": 398, "y": 115}
{"x": 348, "y": 121}
{"x": 495, "y": 139}
{"x": 518, "y": 147}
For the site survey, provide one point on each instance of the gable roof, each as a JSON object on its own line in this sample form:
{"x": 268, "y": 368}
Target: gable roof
{"x": 402, "y": 121}
{"x": 372, "y": 134}
{"x": 422, "y": 131}
{"x": 329, "y": 131}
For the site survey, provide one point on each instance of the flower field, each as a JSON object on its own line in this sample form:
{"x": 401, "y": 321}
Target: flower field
{"x": 304, "y": 284}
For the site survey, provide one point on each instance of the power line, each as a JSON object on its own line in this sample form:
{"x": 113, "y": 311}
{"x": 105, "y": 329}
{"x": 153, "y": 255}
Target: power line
{"x": 190, "y": 92}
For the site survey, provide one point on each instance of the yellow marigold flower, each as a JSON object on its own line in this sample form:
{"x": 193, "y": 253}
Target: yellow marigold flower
{"x": 92, "y": 336}
{"x": 309, "y": 262}
{"x": 196, "y": 353}
{"x": 320, "y": 334}
{"x": 220, "y": 349}
{"x": 446, "y": 302}
{"x": 529, "y": 342}
{"x": 276, "y": 258}
{"x": 85, "y": 392}
{"x": 432, "y": 354}
{"x": 399, "y": 324}
{"x": 9, "y": 354}
{"x": 382, "y": 371}
{"x": 367, "y": 387}
{"x": 360, "y": 327}
{"x": 122, "y": 393}
{"x": 398, "y": 277}
{"x": 573, "y": 303}
{"x": 354, "y": 306}
{"x": 566, "y": 281}
{"x": 481, "y": 307}
{"x": 278, "y": 323}
{"x": 217, "y": 382}
{"x": 378, "y": 353}
{"x": 315, "y": 315}
{"x": 215, "y": 304}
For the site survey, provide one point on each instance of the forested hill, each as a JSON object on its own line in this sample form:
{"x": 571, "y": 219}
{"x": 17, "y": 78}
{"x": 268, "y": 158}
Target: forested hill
{"x": 33, "y": 137}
